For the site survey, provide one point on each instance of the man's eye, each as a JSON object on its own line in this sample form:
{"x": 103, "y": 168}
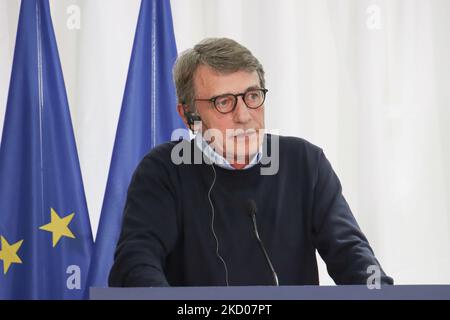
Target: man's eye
{"x": 223, "y": 101}
{"x": 253, "y": 95}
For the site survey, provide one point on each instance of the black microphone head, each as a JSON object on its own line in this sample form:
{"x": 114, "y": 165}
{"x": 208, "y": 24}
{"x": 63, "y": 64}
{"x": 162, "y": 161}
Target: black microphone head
{"x": 250, "y": 207}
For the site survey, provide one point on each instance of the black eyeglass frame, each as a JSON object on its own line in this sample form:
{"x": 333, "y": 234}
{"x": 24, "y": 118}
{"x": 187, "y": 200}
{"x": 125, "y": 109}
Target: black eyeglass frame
{"x": 213, "y": 99}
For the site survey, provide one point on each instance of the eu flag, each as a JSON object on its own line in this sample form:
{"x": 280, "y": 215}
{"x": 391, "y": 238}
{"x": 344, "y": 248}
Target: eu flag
{"x": 147, "y": 118}
{"x": 45, "y": 235}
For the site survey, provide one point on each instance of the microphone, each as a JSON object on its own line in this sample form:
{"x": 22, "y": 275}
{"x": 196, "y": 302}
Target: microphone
{"x": 251, "y": 209}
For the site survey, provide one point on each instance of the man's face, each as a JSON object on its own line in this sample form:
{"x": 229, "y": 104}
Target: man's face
{"x": 210, "y": 83}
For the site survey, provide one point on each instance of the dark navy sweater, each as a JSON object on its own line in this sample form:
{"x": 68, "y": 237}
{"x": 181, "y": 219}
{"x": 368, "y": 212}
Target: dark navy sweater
{"x": 166, "y": 236}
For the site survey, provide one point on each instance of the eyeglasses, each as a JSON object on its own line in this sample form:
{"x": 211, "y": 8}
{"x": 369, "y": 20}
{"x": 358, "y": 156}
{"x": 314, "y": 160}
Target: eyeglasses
{"x": 226, "y": 103}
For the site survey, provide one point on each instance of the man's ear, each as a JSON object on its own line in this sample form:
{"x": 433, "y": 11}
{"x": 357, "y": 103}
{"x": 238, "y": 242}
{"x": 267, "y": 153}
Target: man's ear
{"x": 181, "y": 108}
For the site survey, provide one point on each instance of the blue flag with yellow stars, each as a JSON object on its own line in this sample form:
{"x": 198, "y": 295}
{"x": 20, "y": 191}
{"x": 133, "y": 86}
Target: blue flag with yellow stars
{"x": 45, "y": 234}
{"x": 147, "y": 118}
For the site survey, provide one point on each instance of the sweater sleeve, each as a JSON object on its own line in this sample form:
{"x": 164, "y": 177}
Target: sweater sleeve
{"x": 336, "y": 234}
{"x": 149, "y": 228}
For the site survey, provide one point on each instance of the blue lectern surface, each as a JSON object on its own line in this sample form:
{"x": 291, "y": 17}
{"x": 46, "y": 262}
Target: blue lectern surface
{"x": 400, "y": 292}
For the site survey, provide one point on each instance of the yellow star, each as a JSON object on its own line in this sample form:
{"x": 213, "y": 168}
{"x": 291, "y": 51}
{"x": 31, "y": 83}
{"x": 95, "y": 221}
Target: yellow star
{"x": 59, "y": 227}
{"x": 9, "y": 254}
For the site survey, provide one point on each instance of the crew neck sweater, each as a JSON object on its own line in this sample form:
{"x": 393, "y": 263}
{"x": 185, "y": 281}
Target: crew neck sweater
{"x": 187, "y": 224}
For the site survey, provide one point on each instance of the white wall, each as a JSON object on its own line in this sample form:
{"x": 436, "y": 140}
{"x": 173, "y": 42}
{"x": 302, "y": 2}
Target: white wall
{"x": 369, "y": 84}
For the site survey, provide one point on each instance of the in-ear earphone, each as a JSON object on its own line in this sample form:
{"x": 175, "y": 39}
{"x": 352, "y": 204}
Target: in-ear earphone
{"x": 191, "y": 117}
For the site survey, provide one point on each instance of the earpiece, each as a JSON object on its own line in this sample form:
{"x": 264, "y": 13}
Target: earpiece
{"x": 191, "y": 117}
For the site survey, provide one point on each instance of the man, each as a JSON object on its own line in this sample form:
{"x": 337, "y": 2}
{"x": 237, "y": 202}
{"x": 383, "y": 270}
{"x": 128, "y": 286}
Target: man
{"x": 196, "y": 224}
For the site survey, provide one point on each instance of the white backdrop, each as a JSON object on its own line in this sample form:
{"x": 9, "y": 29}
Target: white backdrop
{"x": 366, "y": 80}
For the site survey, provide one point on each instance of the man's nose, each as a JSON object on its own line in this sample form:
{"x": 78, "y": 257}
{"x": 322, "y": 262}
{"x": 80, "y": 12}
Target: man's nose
{"x": 241, "y": 114}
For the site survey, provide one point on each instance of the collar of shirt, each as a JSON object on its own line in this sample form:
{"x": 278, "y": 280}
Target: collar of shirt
{"x": 217, "y": 159}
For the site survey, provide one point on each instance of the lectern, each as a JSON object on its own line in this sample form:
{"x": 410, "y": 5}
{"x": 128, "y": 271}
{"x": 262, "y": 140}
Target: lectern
{"x": 399, "y": 292}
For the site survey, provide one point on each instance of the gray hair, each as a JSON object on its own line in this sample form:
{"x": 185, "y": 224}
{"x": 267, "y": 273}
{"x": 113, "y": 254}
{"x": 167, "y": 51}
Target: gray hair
{"x": 222, "y": 54}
